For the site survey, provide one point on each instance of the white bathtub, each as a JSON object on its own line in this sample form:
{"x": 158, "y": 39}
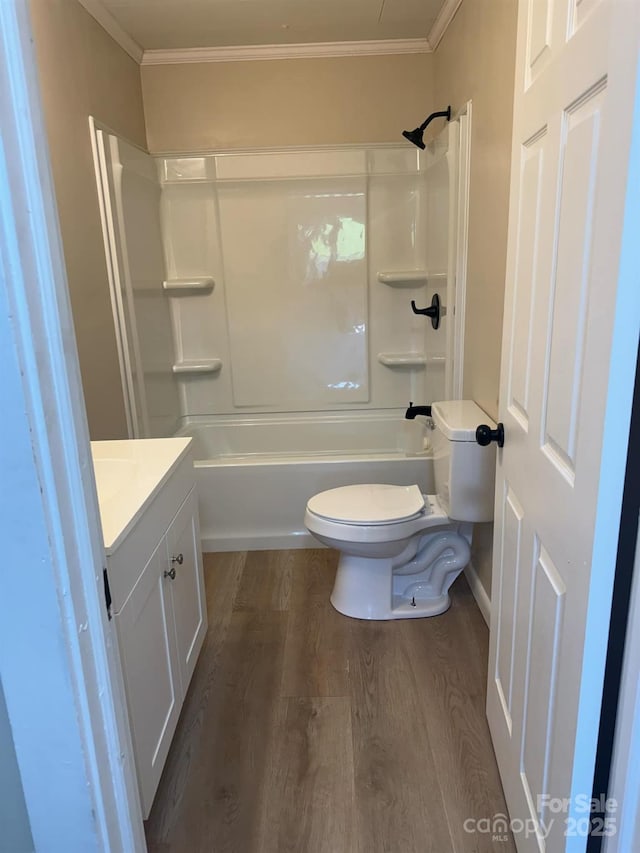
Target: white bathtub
{"x": 256, "y": 475}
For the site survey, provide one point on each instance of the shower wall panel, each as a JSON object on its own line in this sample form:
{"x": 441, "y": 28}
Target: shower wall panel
{"x": 296, "y": 282}
{"x": 301, "y": 317}
{"x": 192, "y": 249}
{"x": 397, "y": 242}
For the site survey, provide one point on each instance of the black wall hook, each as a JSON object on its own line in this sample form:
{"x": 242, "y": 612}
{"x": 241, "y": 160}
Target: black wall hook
{"x": 434, "y": 311}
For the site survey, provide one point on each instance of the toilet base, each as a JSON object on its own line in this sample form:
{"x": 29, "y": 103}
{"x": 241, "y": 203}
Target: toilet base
{"x": 406, "y": 609}
{"x": 368, "y": 588}
{"x": 402, "y": 608}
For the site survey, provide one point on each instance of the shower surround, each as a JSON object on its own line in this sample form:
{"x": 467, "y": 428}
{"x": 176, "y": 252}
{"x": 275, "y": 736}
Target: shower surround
{"x": 280, "y": 334}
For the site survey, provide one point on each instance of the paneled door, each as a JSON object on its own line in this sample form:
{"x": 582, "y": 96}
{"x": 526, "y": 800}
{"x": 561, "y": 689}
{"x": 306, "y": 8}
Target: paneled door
{"x": 571, "y": 334}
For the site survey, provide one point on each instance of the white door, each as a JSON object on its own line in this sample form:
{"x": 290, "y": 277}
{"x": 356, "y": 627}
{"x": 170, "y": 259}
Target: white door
{"x": 571, "y": 324}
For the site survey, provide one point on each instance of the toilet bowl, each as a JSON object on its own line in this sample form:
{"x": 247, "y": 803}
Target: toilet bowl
{"x": 400, "y": 550}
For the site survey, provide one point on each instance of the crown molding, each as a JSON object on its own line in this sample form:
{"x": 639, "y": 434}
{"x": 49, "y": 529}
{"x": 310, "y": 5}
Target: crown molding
{"x": 248, "y": 53}
{"x": 253, "y": 52}
{"x": 442, "y": 21}
{"x": 109, "y": 23}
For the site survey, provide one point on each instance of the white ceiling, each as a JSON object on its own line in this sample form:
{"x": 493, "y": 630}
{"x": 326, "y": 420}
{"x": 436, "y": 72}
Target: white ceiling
{"x": 166, "y": 24}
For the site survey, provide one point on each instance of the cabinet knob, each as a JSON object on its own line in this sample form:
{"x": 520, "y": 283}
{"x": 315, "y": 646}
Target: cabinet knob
{"x": 171, "y": 573}
{"x": 179, "y": 560}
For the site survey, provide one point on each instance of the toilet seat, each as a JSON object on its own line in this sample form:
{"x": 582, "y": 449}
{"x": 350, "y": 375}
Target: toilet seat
{"x": 369, "y": 504}
{"x": 431, "y": 516}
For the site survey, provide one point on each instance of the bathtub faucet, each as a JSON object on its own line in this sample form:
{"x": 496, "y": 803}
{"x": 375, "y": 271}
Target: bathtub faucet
{"x": 412, "y": 411}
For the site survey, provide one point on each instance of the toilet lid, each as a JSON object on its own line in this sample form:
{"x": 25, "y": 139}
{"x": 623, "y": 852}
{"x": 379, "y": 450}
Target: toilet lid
{"x": 368, "y": 504}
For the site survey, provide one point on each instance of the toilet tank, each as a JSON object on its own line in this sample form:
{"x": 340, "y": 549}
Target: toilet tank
{"x": 464, "y": 470}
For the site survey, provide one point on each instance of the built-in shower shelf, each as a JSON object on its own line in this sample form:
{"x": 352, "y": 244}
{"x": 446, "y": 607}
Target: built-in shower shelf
{"x": 404, "y": 278}
{"x": 410, "y": 278}
{"x": 188, "y": 286}
{"x": 202, "y": 365}
{"x": 402, "y": 359}
{"x": 410, "y": 359}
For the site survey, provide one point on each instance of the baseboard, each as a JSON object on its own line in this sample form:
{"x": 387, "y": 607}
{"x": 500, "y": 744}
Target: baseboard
{"x": 479, "y": 592}
{"x": 262, "y": 542}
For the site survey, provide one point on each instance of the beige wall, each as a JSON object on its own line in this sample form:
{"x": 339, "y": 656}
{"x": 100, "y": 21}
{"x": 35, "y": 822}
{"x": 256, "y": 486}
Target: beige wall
{"x": 275, "y": 103}
{"x": 476, "y": 61}
{"x": 84, "y": 72}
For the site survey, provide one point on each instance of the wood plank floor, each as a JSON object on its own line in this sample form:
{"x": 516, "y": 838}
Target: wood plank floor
{"x": 304, "y": 731}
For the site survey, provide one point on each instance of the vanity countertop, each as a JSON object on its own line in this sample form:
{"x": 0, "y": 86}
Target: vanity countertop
{"x": 129, "y": 474}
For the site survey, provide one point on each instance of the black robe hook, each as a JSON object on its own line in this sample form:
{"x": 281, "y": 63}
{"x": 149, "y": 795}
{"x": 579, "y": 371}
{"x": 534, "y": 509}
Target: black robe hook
{"x": 434, "y": 311}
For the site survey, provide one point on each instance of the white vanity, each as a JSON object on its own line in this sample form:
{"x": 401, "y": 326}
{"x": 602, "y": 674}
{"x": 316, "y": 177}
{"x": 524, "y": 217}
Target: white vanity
{"x": 149, "y": 514}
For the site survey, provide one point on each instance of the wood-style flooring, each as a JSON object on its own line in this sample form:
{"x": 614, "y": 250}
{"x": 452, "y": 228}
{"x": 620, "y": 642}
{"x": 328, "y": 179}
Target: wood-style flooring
{"x": 305, "y": 731}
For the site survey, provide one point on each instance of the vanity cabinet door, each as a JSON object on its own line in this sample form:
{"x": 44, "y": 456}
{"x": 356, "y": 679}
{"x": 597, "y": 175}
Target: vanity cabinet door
{"x": 187, "y": 588}
{"x": 154, "y": 693}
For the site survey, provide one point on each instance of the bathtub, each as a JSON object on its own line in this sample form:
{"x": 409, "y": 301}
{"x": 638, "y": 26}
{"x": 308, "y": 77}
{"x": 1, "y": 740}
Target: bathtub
{"x": 255, "y": 475}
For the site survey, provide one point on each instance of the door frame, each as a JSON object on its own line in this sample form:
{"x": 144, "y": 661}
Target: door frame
{"x": 624, "y": 782}
{"x": 59, "y": 660}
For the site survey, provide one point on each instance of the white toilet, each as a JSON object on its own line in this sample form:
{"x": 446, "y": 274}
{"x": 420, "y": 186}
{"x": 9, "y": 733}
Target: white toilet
{"x": 401, "y": 550}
